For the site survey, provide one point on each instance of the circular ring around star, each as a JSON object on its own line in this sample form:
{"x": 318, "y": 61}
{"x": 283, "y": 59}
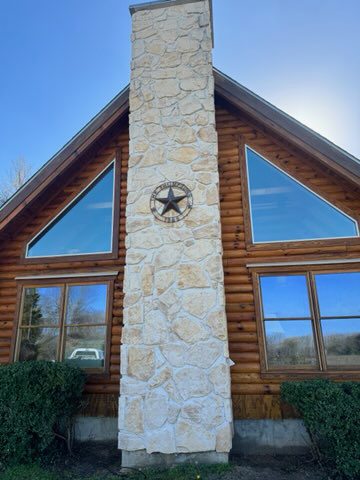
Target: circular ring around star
{"x": 171, "y": 201}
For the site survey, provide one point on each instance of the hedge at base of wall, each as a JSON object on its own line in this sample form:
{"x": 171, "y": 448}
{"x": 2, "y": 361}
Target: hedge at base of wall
{"x": 37, "y": 403}
{"x": 331, "y": 413}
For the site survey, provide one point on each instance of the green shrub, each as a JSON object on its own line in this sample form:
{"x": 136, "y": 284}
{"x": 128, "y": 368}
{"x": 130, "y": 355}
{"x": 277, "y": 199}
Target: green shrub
{"x": 331, "y": 413}
{"x": 37, "y": 403}
{"x": 27, "y": 472}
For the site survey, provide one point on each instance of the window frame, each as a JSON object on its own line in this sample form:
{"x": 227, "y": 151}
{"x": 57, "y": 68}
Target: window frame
{"x": 115, "y": 160}
{"x": 63, "y": 283}
{"x": 321, "y": 369}
{"x": 251, "y": 245}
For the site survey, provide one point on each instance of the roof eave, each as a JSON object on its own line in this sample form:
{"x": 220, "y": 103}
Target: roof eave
{"x": 111, "y": 113}
{"x": 240, "y": 97}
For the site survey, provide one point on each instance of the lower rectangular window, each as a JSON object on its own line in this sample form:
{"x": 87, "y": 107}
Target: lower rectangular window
{"x": 64, "y": 322}
{"x": 310, "y": 321}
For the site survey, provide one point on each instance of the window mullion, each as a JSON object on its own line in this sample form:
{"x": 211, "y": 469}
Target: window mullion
{"x": 316, "y": 321}
{"x": 18, "y": 332}
{"x": 261, "y": 333}
{"x": 62, "y": 323}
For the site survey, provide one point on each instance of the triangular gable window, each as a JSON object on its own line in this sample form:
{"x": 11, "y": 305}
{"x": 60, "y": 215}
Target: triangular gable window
{"x": 84, "y": 226}
{"x": 282, "y": 209}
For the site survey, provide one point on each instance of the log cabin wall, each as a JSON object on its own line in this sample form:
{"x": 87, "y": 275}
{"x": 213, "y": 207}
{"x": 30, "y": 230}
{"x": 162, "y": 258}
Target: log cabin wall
{"x": 101, "y": 393}
{"x": 253, "y": 396}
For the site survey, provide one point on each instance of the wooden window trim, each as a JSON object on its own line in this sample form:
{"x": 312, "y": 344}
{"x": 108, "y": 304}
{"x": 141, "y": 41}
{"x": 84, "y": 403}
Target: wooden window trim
{"x": 114, "y": 254}
{"x": 278, "y": 247}
{"x": 64, "y": 282}
{"x": 284, "y": 373}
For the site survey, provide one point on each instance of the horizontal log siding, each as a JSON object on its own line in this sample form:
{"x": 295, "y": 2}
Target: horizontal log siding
{"x": 253, "y": 396}
{"x": 12, "y": 265}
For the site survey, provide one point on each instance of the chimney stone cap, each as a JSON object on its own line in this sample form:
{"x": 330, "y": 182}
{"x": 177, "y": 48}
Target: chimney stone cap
{"x": 169, "y": 3}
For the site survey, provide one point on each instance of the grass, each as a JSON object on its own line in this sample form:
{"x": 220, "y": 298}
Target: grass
{"x": 27, "y": 472}
{"x": 182, "y": 472}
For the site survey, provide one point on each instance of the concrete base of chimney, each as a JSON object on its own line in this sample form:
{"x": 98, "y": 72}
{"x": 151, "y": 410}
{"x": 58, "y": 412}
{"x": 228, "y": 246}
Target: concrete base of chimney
{"x": 140, "y": 458}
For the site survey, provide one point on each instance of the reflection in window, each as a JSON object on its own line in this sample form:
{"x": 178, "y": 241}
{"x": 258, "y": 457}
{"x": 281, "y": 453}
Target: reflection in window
{"x": 282, "y": 209}
{"x": 290, "y": 342}
{"x": 86, "y": 304}
{"x": 84, "y": 227}
{"x": 339, "y": 307}
{"x": 80, "y": 328}
{"x": 293, "y": 324}
{"x": 342, "y": 341}
{"x": 38, "y": 343}
{"x": 39, "y": 333}
{"x": 285, "y": 296}
{"x": 41, "y": 306}
{"x": 85, "y": 325}
{"x": 287, "y": 321}
{"x": 85, "y": 346}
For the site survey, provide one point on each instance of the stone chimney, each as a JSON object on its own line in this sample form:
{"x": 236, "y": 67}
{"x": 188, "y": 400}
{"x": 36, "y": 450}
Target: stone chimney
{"x": 175, "y": 380}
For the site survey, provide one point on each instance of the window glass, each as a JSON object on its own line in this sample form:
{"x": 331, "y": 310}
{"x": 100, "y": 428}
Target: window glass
{"x": 284, "y": 210}
{"x": 80, "y": 327}
{"x": 86, "y": 304}
{"x": 38, "y": 344}
{"x": 295, "y": 333}
{"x": 287, "y": 321}
{"x": 342, "y": 341}
{"x": 41, "y": 306}
{"x": 338, "y": 294}
{"x": 84, "y": 227}
{"x": 85, "y": 346}
{"x": 290, "y": 343}
{"x": 285, "y": 296}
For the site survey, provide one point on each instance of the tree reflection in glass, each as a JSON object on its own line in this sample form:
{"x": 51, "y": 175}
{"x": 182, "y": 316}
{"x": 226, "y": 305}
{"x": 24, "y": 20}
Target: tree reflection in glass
{"x": 79, "y": 327}
{"x": 287, "y": 321}
{"x": 339, "y": 306}
{"x": 40, "y": 323}
{"x": 290, "y": 343}
{"x": 38, "y": 344}
{"x": 85, "y": 325}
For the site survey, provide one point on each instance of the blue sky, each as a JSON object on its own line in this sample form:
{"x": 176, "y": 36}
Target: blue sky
{"x": 62, "y": 61}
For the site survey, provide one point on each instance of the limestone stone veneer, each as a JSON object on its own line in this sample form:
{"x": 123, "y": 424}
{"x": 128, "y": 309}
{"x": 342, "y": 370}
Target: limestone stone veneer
{"x": 175, "y": 380}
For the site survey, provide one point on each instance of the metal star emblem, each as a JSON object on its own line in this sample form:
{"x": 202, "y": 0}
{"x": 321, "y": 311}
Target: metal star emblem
{"x": 171, "y": 202}
{"x": 162, "y": 207}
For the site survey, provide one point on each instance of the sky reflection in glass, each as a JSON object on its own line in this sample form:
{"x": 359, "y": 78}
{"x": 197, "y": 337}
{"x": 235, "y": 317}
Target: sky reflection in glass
{"x": 41, "y": 306}
{"x": 285, "y": 296}
{"x": 339, "y": 294}
{"x": 86, "y": 304}
{"x": 84, "y": 227}
{"x": 284, "y": 210}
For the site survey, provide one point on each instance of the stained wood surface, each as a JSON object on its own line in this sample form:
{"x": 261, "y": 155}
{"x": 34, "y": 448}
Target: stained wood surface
{"x": 101, "y": 391}
{"x": 254, "y": 395}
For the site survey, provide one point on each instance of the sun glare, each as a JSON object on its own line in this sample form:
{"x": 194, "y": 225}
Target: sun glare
{"x": 322, "y": 110}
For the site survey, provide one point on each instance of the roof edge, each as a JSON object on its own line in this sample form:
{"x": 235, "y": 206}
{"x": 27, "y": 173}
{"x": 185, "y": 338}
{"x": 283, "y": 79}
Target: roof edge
{"x": 72, "y": 148}
{"x": 242, "y": 98}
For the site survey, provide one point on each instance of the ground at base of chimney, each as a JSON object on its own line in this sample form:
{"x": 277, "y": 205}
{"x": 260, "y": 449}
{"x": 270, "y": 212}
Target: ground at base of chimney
{"x": 102, "y": 460}
{"x": 142, "y": 459}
